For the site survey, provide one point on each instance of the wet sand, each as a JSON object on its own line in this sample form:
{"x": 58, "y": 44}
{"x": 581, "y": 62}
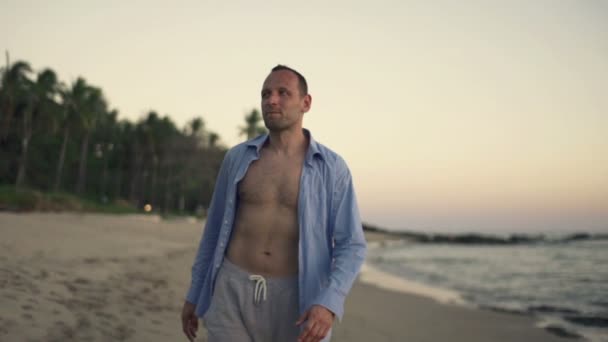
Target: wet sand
{"x": 89, "y": 277}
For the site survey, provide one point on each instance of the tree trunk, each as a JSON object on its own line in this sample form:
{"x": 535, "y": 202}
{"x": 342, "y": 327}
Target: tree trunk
{"x": 27, "y": 134}
{"x": 167, "y": 196}
{"x": 82, "y": 169}
{"x": 136, "y": 161}
{"x": 155, "y": 164}
{"x": 104, "y": 176}
{"x": 5, "y": 120}
{"x": 60, "y": 162}
{"x": 118, "y": 193}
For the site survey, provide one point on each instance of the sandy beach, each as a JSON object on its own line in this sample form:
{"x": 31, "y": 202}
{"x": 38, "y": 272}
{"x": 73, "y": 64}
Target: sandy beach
{"x": 89, "y": 277}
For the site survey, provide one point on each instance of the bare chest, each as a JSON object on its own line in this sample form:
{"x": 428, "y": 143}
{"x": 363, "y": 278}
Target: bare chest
{"x": 272, "y": 182}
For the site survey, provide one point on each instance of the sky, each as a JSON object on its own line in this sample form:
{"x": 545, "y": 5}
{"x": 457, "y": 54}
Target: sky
{"x": 486, "y": 116}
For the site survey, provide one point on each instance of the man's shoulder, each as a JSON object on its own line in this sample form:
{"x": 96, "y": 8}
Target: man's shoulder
{"x": 330, "y": 157}
{"x": 237, "y": 149}
{"x": 241, "y": 148}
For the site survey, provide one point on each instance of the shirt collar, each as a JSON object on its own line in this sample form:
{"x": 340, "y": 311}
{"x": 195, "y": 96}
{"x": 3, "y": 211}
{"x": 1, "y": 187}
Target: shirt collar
{"x": 313, "y": 146}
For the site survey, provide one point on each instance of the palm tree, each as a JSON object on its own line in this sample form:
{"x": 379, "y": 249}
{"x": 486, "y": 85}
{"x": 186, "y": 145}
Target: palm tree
{"x": 90, "y": 111}
{"x": 71, "y": 98}
{"x": 195, "y": 126}
{"x": 252, "y": 126}
{"x": 153, "y": 138}
{"x": 213, "y": 139}
{"x": 105, "y": 147}
{"x": 84, "y": 106}
{"x": 39, "y": 101}
{"x": 14, "y": 79}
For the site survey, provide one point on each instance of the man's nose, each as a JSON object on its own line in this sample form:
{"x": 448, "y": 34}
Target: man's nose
{"x": 272, "y": 99}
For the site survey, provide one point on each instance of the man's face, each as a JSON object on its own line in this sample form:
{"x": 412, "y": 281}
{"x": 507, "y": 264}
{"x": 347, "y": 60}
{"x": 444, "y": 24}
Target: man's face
{"x": 283, "y": 106}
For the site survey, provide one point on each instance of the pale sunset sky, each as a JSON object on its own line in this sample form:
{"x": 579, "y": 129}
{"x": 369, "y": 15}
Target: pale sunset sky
{"x": 488, "y": 116}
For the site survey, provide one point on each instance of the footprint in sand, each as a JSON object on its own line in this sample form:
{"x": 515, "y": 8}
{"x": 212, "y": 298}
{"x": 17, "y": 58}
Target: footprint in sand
{"x": 104, "y": 315}
{"x": 122, "y": 332}
{"x": 5, "y": 324}
{"x": 70, "y": 287}
{"x": 42, "y": 275}
{"x": 10, "y": 296}
{"x": 160, "y": 283}
{"x": 92, "y": 260}
{"x": 81, "y": 281}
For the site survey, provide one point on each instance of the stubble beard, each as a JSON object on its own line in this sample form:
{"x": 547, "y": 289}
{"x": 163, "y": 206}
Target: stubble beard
{"x": 276, "y": 125}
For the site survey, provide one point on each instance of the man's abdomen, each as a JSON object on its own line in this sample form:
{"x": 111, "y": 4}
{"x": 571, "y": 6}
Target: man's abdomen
{"x": 265, "y": 240}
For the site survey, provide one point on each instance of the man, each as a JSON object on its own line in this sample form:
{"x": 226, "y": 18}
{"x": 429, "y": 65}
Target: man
{"x": 283, "y": 241}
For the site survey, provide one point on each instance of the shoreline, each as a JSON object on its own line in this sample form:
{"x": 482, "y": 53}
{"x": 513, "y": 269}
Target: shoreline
{"x": 99, "y": 277}
{"x": 384, "y": 280}
{"x": 409, "y": 317}
{"x": 373, "y": 277}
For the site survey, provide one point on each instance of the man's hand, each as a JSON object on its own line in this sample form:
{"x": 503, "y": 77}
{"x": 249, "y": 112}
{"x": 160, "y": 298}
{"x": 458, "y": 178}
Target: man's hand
{"x": 319, "y": 319}
{"x": 189, "y": 320}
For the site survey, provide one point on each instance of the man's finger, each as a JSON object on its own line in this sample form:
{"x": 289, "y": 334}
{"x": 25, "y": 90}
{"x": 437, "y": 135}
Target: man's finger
{"x": 323, "y": 332}
{"x": 306, "y": 335}
{"x": 185, "y": 327}
{"x": 302, "y": 318}
{"x": 317, "y": 334}
{"x": 189, "y": 328}
{"x": 193, "y": 326}
{"x": 194, "y": 321}
{"x": 188, "y": 333}
{"x": 326, "y": 330}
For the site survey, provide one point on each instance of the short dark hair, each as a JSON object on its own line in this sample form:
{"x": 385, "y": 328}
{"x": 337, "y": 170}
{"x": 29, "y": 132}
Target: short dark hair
{"x": 301, "y": 80}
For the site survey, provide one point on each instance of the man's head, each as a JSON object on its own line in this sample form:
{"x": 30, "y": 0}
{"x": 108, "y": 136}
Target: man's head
{"x": 285, "y": 99}
{"x": 301, "y": 80}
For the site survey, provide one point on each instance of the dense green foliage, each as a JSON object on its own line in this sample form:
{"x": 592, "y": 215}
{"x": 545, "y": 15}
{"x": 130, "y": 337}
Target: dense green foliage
{"x": 63, "y": 144}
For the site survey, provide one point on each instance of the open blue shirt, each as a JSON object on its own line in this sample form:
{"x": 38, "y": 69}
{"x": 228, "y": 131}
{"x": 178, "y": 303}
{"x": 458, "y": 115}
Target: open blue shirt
{"x": 332, "y": 247}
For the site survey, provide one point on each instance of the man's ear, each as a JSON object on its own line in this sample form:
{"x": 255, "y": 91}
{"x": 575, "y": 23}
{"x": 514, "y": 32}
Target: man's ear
{"x": 307, "y": 103}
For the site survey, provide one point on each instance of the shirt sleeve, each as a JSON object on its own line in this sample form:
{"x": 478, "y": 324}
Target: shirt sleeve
{"x": 349, "y": 245}
{"x": 211, "y": 232}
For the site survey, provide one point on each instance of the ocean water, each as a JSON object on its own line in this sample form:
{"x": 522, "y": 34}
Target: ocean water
{"x": 564, "y": 285}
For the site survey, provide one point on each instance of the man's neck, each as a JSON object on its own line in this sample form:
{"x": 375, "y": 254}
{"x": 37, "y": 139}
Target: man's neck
{"x": 288, "y": 142}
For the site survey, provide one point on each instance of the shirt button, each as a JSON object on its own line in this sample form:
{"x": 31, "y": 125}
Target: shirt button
{"x": 226, "y": 221}
{"x": 217, "y": 265}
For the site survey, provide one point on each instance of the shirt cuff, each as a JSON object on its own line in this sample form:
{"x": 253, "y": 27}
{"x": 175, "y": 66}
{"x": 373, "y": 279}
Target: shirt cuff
{"x": 193, "y": 294}
{"x": 333, "y": 300}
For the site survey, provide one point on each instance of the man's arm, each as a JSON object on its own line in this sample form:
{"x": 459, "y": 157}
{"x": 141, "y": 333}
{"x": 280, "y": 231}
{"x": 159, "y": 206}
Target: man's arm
{"x": 206, "y": 249}
{"x": 208, "y": 241}
{"x": 349, "y": 244}
{"x": 348, "y": 256}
